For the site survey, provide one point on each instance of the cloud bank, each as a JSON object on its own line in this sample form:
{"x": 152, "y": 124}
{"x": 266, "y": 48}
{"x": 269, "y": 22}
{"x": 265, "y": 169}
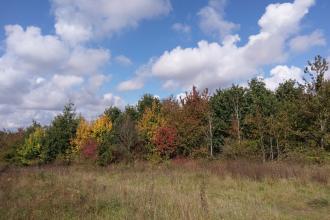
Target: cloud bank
{"x": 39, "y": 73}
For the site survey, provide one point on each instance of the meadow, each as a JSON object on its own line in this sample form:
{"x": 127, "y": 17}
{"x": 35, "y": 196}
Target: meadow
{"x": 179, "y": 189}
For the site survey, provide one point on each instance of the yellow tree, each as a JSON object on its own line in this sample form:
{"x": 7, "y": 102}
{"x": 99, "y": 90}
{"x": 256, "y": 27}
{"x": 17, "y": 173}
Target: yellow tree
{"x": 83, "y": 134}
{"x": 150, "y": 121}
{"x": 101, "y": 127}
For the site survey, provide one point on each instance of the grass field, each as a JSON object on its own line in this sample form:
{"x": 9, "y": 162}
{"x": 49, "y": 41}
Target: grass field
{"x": 176, "y": 190}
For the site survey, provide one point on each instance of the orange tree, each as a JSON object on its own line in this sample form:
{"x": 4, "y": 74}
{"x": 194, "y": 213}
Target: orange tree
{"x": 193, "y": 129}
{"x": 190, "y": 117}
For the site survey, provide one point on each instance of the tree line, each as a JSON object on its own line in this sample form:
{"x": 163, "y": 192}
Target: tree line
{"x": 253, "y": 122}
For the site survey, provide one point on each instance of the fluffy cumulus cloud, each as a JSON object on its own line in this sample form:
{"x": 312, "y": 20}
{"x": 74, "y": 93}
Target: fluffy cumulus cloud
{"x": 282, "y": 73}
{"x": 40, "y": 73}
{"x": 220, "y": 64}
{"x": 33, "y": 48}
{"x": 212, "y": 19}
{"x": 80, "y": 20}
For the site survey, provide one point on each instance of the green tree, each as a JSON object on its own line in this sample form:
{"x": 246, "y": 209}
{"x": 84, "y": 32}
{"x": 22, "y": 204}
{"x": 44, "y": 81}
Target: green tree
{"x": 318, "y": 103}
{"x": 316, "y": 70}
{"x": 289, "y": 124}
{"x": 60, "y": 134}
{"x": 146, "y": 102}
{"x": 229, "y": 108}
{"x": 132, "y": 112}
{"x": 261, "y": 106}
{"x": 113, "y": 113}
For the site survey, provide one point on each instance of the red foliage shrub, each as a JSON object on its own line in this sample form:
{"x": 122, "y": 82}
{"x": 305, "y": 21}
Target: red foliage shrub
{"x": 90, "y": 149}
{"x": 165, "y": 141}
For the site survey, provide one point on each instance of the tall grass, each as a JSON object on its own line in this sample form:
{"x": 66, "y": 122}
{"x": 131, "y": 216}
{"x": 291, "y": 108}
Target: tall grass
{"x": 176, "y": 190}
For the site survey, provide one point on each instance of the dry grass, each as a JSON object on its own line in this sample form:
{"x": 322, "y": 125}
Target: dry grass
{"x": 177, "y": 190}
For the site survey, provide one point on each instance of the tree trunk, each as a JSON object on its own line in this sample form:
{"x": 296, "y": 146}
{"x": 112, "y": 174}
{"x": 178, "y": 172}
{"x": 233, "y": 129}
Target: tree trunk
{"x": 211, "y": 136}
{"x": 278, "y": 149}
{"x": 263, "y": 150}
{"x": 238, "y": 122}
{"x": 322, "y": 128}
{"x": 271, "y": 149}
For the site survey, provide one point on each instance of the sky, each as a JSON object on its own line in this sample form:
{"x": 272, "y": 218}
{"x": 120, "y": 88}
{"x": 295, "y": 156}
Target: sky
{"x": 102, "y": 53}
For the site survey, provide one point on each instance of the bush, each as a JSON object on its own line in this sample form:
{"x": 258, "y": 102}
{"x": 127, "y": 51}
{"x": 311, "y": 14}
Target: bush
{"x": 247, "y": 149}
{"x": 308, "y": 155}
{"x": 10, "y": 142}
{"x": 89, "y": 149}
{"x": 105, "y": 155}
{"x": 31, "y": 148}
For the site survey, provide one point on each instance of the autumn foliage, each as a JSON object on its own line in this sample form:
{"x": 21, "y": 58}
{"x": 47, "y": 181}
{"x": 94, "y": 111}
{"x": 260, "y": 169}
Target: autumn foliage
{"x": 89, "y": 149}
{"x": 165, "y": 140}
{"x": 253, "y": 122}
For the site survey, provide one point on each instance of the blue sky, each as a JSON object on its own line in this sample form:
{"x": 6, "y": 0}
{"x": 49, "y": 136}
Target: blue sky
{"x": 101, "y": 53}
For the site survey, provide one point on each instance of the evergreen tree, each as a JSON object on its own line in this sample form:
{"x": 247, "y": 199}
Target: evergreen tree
{"x": 60, "y": 134}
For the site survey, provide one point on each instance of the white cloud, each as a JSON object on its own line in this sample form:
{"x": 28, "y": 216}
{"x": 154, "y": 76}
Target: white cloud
{"x": 180, "y": 96}
{"x": 327, "y": 74}
{"x": 80, "y": 20}
{"x": 40, "y": 73}
{"x": 84, "y": 61}
{"x": 302, "y": 43}
{"x": 123, "y": 60}
{"x": 34, "y": 50}
{"x": 15, "y": 118}
{"x": 137, "y": 82}
{"x": 282, "y": 73}
{"x": 170, "y": 84}
{"x": 130, "y": 85}
{"x": 181, "y": 28}
{"x": 213, "y": 64}
{"x": 12, "y": 83}
{"x": 212, "y": 19}
{"x": 67, "y": 81}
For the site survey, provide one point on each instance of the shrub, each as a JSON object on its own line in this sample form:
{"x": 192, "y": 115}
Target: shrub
{"x": 105, "y": 150}
{"x": 31, "y": 148}
{"x": 89, "y": 149}
{"x": 9, "y": 144}
{"x": 308, "y": 155}
{"x": 247, "y": 149}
